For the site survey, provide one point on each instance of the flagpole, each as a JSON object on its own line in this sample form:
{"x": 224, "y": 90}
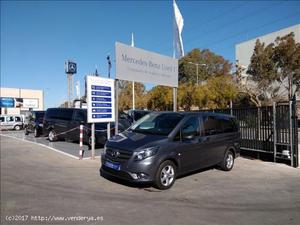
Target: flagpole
{"x": 133, "y": 84}
{"x": 174, "y": 56}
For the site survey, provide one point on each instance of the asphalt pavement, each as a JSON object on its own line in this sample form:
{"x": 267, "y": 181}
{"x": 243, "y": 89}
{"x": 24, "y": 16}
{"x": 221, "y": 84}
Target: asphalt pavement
{"x": 70, "y": 149}
{"x": 39, "y": 186}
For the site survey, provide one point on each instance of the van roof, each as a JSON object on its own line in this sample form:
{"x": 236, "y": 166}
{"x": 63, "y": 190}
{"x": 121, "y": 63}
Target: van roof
{"x": 194, "y": 113}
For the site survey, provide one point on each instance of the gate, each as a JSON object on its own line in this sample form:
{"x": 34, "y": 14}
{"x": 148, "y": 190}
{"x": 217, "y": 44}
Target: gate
{"x": 271, "y": 129}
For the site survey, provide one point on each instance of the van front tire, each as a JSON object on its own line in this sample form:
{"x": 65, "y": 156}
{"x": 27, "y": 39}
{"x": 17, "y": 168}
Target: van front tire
{"x": 165, "y": 175}
{"x": 17, "y": 127}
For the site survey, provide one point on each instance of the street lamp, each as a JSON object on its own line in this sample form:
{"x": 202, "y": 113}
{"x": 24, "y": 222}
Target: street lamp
{"x": 197, "y": 69}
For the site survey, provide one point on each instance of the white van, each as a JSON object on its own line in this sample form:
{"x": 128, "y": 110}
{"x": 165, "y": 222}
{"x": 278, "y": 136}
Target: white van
{"x": 11, "y": 122}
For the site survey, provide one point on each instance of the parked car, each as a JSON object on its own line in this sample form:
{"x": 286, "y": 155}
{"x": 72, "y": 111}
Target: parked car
{"x": 125, "y": 120}
{"x": 164, "y": 145}
{"x": 63, "y": 123}
{"x": 11, "y": 122}
{"x": 34, "y": 123}
{"x": 130, "y": 117}
{"x": 135, "y": 115}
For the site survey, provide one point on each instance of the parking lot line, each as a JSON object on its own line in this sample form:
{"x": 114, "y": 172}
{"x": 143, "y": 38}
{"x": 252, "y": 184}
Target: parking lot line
{"x": 53, "y": 149}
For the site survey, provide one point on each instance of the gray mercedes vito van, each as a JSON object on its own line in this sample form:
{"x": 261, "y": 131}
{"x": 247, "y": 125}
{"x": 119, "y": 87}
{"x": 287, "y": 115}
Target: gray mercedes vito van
{"x": 164, "y": 145}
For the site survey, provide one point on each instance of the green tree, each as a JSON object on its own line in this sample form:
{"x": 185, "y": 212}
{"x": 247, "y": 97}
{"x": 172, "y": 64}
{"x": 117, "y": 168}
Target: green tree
{"x": 125, "y": 96}
{"x": 216, "y": 93}
{"x": 186, "y": 95}
{"x": 262, "y": 67}
{"x": 160, "y": 98}
{"x": 220, "y": 91}
{"x": 287, "y": 60}
{"x": 274, "y": 71}
{"x": 210, "y": 65}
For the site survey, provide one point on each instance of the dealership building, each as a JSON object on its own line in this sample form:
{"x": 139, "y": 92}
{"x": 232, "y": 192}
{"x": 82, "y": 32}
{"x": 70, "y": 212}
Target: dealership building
{"x": 244, "y": 50}
{"x": 17, "y": 101}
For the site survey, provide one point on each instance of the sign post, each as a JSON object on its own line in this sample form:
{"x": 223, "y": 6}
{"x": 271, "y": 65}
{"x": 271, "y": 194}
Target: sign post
{"x": 93, "y": 140}
{"x": 100, "y": 104}
{"x": 117, "y": 108}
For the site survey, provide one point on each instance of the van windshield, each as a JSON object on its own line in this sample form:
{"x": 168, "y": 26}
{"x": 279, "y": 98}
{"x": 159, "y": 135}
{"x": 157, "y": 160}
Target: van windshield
{"x": 157, "y": 124}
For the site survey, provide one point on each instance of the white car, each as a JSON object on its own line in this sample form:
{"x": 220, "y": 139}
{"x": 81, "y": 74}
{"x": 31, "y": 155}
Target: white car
{"x": 8, "y": 122}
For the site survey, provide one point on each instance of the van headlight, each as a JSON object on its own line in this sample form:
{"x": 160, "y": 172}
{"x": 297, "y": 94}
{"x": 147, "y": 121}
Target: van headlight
{"x": 145, "y": 153}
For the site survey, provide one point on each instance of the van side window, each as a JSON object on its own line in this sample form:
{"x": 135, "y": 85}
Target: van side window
{"x": 191, "y": 127}
{"x": 1, "y": 119}
{"x": 79, "y": 116}
{"x": 17, "y": 119}
{"x": 228, "y": 125}
{"x": 66, "y": 114}
{"x": 211, "y": 126}
{"x": 9, "y": 119}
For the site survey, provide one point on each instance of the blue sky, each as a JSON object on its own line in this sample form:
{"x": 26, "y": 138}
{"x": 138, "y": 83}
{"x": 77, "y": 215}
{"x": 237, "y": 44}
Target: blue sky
{"x": 38, "y": 36}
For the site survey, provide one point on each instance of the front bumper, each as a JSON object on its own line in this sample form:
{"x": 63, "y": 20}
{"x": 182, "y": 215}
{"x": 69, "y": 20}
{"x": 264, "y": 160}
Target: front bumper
{"x": 143, "y": 171}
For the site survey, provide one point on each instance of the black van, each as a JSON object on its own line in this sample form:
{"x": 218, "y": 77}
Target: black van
{"x": 35, "y": 123}
{"x": 63, "y": 123}
{"x": 163, "y": 145}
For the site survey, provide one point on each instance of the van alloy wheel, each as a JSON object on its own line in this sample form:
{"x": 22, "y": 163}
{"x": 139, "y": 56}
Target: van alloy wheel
{"x": 228, "y": 161}
{"x": 17, "y": 127}
{"x": 165, "y": 175}
{"x": 52, "y": 136}
{"x": 36, "y": 133}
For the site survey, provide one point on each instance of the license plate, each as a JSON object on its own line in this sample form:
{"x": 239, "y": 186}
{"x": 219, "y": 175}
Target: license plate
{"x": 115, "y": 166}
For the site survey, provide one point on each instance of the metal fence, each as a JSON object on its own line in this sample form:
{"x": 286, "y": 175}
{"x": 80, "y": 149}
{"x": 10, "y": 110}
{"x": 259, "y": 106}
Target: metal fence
{"x": 271, "y": 129}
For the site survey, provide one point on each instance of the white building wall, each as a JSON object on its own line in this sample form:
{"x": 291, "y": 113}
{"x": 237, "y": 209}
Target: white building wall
{"x": 21, "y": 93}
{"x": 244, "y": 50}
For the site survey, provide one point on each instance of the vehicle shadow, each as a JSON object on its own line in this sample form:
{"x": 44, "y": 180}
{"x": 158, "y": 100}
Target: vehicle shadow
{"x": 187, "y": 174}
{"x": 149, "y": 186}
{"x": 127, "y": 183}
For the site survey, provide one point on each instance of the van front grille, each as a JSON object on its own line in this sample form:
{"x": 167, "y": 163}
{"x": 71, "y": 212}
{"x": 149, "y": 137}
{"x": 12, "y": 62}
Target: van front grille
{"x": 118, "y": 155}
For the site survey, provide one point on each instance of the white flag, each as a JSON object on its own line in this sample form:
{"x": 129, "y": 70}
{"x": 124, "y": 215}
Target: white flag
{"x": 132, "y": 40}
{"x": 77, "y": 86}
{"x": 178, "y": 26}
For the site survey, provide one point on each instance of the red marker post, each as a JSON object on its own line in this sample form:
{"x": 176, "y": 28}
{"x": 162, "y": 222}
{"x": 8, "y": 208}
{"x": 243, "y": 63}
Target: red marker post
{"x": 81, "y": 151}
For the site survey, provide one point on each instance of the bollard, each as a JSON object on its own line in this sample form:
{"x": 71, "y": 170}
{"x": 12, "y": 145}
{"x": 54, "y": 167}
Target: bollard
{"x": 81, "y": 151}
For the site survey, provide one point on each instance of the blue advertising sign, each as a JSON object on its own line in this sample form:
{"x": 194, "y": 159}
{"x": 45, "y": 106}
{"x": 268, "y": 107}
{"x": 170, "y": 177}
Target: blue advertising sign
{"x": 103, "y": 88}
{"x": 101, "y": 93}
{"x": 101, "y": 104}
{"x": 100, "y": 99}
{"x": 104, "y": 110}
{"x": 101, "y": 116}
{"x": 7, "y": 102}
